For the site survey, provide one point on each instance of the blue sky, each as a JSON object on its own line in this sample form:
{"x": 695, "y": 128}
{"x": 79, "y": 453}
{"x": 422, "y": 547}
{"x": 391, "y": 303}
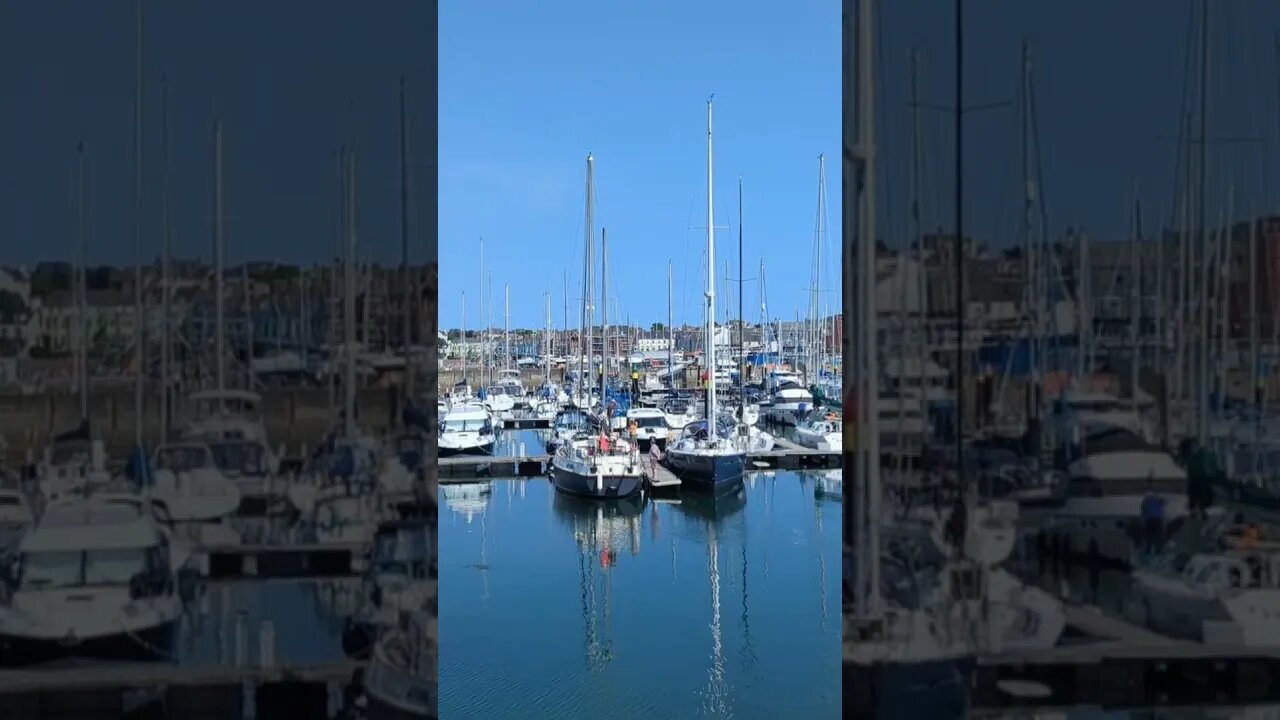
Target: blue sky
{"x": 1109, "y": 80}
{"x": 527, "y": 89}
{"x": 290, "y": 81}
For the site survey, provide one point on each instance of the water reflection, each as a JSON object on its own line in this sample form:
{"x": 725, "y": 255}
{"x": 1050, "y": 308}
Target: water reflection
{"x": 641, "y": 607}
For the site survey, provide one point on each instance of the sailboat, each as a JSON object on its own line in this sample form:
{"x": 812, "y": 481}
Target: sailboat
{"x": 603, "y": 468}
{"x": 708, "y": 455}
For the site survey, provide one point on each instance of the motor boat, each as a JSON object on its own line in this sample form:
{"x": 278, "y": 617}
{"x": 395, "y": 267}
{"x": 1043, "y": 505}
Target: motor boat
{"x": 790, "y": 400}
{"x": 400, "y": 681}
{"x": 401, "y": 577}
{"x": 90, "y": 579}
{"x": 185, "y": 476}
{"x": 467, "y": 430}
{"x": 820, "y": 433}
{"x": 651, "y": 426}
{"x": 568, "y": 423}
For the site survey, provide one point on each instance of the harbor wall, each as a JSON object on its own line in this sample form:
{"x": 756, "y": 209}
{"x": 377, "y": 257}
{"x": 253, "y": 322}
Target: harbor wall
{"x": 292, "y": 416}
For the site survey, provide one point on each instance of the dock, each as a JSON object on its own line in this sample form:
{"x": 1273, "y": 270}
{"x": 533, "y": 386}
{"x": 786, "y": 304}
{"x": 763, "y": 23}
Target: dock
{"x": 469, "y": 468}
{"x": 466, "y": 468}
{"x": 213, "y": 692}
{"x": 526, "y": 424}
{"x": 318, "y": 560}
{"x": 660, "y": 478}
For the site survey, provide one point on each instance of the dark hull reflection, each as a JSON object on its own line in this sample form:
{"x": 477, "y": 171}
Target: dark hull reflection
{"x": 713, "y": 507}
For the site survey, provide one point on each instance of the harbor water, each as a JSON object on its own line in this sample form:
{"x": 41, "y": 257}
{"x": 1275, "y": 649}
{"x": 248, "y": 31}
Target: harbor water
{"x": 643, "y": 608}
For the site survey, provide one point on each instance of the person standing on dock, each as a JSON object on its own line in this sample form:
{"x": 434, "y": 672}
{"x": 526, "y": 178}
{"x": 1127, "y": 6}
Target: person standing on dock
{"x": 635, "y": 383}
{"x": 1201, "y": 471}
{"x": 655, "y": 456}
{"x": 1152, "y": 519}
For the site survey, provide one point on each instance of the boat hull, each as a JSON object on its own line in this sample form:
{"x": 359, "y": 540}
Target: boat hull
{"x": 611, "y": 486}
{"x": 153, "y": 643}
{"x": 705, "y": 472}
{"x": 925, "y": 689}
{"x": 481, "y": 449}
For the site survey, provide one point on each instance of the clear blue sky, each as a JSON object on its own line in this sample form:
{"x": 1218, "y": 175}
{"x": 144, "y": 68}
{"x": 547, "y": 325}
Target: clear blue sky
{"x": 1109, "y": 79}
{"x": 290, "y": 81}
{"x": 527, "y": 89}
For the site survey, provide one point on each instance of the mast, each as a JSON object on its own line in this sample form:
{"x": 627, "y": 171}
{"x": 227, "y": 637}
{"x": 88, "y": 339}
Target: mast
{"x": 742, "y": 346}
{"x": 139, "y": 340}
{"x": 248, "y": 326}
{"x": 484, "y": 329}
{"x": 547, "y": 360}
{"x": 861, "y": 435}
{"x": 1135, "y": 307}
{"x": 711, "y": 288}
{"x": 349, "y": 302}
{"x": 408, "y": 294}
{"x": 588, "y": 287}
{"x": 463, "y": 338}
{"x": 1202, "y": 422}
{"x": 917, "y": 232}
{"x": 219, "y": 321}
{"x": 671, "y": 336}
{"x": 604, "y": 314}
{"x": 78, "y": 287}
{"x": 332, "y": 311}
{"x": 166, "y": 337}
{"x": 506, "y": 325}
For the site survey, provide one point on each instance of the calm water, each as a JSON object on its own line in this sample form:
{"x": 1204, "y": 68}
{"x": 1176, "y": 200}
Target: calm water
{"x": 555, "y": 607}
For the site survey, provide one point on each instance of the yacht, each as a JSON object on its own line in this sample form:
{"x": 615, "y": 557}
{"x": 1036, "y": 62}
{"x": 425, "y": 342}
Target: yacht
{"x": 679, "y": 411}
{"x": 568, "y": 424}
{"x": 185, "y": 476}
{"x": 709, "y": 455}
{"x": 1097, "y": 508}
{"x": 401, "y": 577}
{"x": 580, "y": 467}
{"x": 72, "y": 464}
{"x": 460, "y": 393}
{"x": 707, "y": 461}
{"x": 499, "y": 400}
{"x": 790, "y": 401}
{"x": 90, "y": 579}
{"x": 651, "y": 426}
{"x": 400, "y": 681}
{"x": 1237, "y": 585}
{"x": 510, "y": 379}
{"x": 820, "y": 433}
{"x": 226, "y": 414}
{"x": 467, "y": 429}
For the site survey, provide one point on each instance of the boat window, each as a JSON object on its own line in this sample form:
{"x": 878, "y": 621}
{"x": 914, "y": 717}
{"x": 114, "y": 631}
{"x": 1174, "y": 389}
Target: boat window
{"x": 239, "y": 457}
{"x": 1206, "y": 575}
{"x": 181, "y": 459}
{"x": 466, "y": 425}
{"x": 650, "y": 422}
{"x": 47, "y": 570}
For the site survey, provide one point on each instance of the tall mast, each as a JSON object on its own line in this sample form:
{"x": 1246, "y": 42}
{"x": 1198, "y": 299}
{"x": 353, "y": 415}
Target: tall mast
{"x": 484, "y": 329}
{"x": 859, "y": 294}
{"x": 248, "y": 326}
{"x": 604, "y": 313}
{"x": 408, "y": 294}
{"x": 588, "y": 287}
{"x": 463, "y": 336}
{"x": 1135, "y": 306}
{"x": 166, "y": 339}
{"x": 332, "y": 304}
{"x": 547, "y": 360}
{"x": 218, "y": 330}
{"x": 138, "y": 318}
{"x": 1202, "y": 377}
{"x": 506, "y": 325}
{"x": 742, "y": 346}
{"x": 78, "y": 288}
{"x": 711, "y": 288}
{"x": 671, "y": 335}
{"x": 349, "y": 301}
